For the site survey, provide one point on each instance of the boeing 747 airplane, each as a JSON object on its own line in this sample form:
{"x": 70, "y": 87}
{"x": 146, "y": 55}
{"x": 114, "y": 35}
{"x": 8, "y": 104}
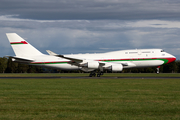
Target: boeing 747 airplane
{"x": 96, "y": 63}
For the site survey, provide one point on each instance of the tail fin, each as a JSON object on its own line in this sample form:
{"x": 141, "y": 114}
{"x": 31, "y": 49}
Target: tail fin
{"x": 21, "y": 47}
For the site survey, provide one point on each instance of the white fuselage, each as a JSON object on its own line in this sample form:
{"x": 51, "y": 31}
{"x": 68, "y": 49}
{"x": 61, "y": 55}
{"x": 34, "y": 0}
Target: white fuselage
{"x": 129, "y": 58}
{"x": 115, "y": 61}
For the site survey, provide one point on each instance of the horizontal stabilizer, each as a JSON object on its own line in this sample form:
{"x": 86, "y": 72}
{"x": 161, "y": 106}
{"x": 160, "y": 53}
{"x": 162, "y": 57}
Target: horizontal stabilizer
{"x": 20, "y": 59}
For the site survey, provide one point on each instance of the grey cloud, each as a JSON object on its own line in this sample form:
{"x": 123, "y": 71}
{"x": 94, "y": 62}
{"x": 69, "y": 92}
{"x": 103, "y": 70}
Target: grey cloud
{"x": 81, "y": 26}
{"x": 88, "y": 36}
{"x": 92, "y": 10}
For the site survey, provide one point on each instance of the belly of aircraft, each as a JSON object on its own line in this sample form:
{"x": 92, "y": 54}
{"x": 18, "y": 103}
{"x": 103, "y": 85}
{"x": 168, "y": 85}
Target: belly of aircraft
{"x": 148, "y": 63}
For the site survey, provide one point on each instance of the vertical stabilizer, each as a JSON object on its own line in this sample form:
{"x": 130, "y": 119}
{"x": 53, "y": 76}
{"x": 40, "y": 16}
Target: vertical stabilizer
{"x": 21, "y": 47}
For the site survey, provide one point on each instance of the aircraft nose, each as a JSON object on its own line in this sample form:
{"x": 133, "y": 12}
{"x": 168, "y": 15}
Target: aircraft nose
{"x": 173, "y": 58}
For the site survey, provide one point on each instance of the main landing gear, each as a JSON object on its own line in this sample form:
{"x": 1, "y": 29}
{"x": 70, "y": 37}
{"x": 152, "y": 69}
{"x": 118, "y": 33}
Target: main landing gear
{"x": 93, "y": 74}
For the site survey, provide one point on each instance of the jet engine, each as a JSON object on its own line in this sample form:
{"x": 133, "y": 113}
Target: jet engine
{"x": 93, "y": 65}
{"x": 90, "y": 64}
{"x": 114, "y": 67}
{"x": 117, "y": 67}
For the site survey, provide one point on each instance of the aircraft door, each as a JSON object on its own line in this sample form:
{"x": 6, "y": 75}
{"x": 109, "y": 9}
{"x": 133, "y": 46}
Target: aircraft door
{"x": 139, "y": 52}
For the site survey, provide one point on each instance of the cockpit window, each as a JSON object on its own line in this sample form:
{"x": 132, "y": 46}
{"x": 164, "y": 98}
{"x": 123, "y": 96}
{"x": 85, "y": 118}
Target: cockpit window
{"x": 162, "y": 50}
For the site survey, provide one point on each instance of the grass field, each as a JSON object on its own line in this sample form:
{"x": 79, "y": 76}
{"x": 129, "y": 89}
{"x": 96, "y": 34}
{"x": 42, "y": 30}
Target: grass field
{"x": 92, "y": 99}
{"x": 87, "y": 74}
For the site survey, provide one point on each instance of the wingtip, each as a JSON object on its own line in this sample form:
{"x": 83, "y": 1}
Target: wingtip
{"x": 51, "y": 53}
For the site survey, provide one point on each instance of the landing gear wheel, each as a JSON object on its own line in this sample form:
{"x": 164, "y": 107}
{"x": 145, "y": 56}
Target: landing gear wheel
{"x": 92, "y": 74}
{"x": 98, "y": 75}
{"x": 157, "y": 70}
{"x": 101, "y": 73}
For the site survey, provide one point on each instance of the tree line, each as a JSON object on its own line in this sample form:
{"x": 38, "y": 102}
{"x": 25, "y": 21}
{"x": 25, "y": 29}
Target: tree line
{"x": 8, "y": 66}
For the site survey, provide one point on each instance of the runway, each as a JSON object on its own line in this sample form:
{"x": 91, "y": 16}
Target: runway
{"x": 80, "y": 77}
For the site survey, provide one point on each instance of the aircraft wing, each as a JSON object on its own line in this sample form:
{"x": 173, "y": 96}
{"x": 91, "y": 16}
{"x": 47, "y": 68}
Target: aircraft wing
{"x": 85, "y": 63}
{"x": 71, "y": 58}
{"x": 78, "y": 60}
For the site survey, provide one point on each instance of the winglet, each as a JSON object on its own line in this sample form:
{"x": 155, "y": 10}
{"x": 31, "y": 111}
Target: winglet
{"x": 54, "y": 54}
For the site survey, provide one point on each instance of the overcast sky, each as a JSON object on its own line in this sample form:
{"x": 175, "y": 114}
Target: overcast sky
{"x": 88, "y": 26}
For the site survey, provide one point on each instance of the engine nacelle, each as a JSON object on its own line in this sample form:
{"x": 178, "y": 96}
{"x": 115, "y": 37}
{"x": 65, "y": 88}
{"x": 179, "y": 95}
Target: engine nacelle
{"x": 117, "y": 67}
{"x": 113, "y": 67}
{"x": 93, "y": 65}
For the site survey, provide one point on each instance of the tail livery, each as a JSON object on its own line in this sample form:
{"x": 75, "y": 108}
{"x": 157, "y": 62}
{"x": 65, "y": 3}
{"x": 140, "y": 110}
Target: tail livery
{"x": 21, "y": 47}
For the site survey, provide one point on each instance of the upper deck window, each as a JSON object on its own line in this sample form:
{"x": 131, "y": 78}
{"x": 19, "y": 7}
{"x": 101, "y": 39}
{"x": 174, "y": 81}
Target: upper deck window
{"x": 146, "y": 52}
{"x": 133, "y": 52}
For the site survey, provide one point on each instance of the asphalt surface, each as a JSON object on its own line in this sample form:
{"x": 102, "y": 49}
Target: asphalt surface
{"x": 76, "y": 77}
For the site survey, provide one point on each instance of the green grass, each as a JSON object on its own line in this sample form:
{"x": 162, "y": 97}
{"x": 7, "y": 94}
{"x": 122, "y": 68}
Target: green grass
{"x": 87, "y": 74}
{"x": 110, "y": 99}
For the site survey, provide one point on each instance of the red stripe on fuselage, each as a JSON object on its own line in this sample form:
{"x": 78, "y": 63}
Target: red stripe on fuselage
{"x": 170, "y": 60}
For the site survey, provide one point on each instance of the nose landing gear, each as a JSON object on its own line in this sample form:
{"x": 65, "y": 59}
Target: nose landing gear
{"x": 158, "y": 69}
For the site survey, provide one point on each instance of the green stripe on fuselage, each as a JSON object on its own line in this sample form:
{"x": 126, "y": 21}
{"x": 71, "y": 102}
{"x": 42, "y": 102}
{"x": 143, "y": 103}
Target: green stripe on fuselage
{"x": 46, "y": 63}
{"x": 165, "y": 60}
